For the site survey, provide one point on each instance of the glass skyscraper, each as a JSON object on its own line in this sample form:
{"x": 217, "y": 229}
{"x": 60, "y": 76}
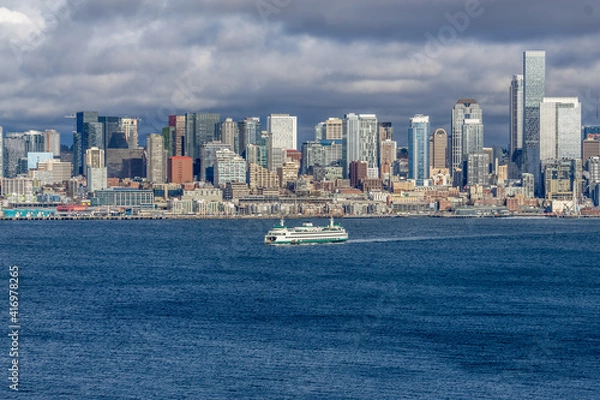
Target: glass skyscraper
{"x": 516, "y": 120}
{"x": 534, "y": 88}
{"x": 418, "y": 148}
{"x": 467, "y": 132}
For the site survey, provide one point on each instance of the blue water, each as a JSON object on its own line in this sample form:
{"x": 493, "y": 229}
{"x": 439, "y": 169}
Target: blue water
{"x": 407, "y": 308}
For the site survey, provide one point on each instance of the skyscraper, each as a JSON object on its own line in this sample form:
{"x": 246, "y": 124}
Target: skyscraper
{"x": 52, "y": 142}
{"x": 250, "y": 131}
{"x": 361, "y": 139}
{"x": 467, "y": 131}
{"x": 516, "y": 120}
{"x": 89, "y": 132}
{"x": 283, "y": 130}
{"x": 177, "y": 122}
{"x": 230, "y": 134}
{"x": 560, "y": 128}
{"x": 156, "y": 159}
{"x": 534, "y": 89}
{"x": 418, "y": 149}
{"x": 439, "y": 150}
{"x": 95, "y": 169}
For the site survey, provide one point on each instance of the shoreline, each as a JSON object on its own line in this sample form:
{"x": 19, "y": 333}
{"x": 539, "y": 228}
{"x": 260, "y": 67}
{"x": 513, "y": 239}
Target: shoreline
{"x": 274, "y": 217}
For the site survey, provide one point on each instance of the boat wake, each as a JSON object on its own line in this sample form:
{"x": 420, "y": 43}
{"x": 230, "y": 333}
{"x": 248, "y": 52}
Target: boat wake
{"x": 423, "y": 238}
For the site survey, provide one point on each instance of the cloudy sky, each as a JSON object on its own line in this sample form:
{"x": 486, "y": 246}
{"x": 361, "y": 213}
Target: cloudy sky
{"x": 313, "y": 59}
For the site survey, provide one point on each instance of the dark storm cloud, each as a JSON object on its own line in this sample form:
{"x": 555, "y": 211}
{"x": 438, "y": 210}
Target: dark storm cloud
{"x": 310, "y": 58}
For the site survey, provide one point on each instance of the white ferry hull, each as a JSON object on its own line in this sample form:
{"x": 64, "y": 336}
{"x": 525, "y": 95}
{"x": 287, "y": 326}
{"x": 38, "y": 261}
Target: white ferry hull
{"x": 306, "y": 234}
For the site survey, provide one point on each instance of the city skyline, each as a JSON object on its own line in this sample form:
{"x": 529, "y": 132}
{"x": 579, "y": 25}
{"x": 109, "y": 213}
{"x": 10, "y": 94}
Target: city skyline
{"x": 313, "y": 60}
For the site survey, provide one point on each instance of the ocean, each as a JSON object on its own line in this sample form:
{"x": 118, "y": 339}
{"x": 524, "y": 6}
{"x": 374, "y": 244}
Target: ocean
{"x": 408, "y": 308}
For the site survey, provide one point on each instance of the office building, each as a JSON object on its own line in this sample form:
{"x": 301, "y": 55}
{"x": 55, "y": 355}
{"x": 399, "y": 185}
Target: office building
{"x": 357, "y": 172}
{"x": 467, "y": 132}
{"x": 439, "y": 150}
{"x": 180, "y": 170}
{"x": 534, "y": 89}
{"x": 60, "y": 171}
{"x": 89, "y": 132}
{"x": 178, "y": 125}
{"x": 33, "y": 158}
{"x": 125, "y": 163}
{"x": 156, "y": 159}
{"x": 1, "y": 153}
{"x": 129, "y": 126}
{"x": 418, "y": 149}
{"x": 516, "y": 120}
{"x": 560, "y": 128}
{"x": 387, "y": 157}
{"x": 590, "y": 148}
{"x": 282, "y": 129}
{"x": 250, "y": 132}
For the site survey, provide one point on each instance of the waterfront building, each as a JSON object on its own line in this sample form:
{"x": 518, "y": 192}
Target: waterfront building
{"x": 560, "y": 128}
{"x": 123, "y": 197}
{"x": 516, "y": 120}
{"x": 418, "y": 149}
{"x": 180, "y": 169}
{"x": 156, "y": 159}
{"x": 283, "y": 130}
{"x": 17, "y": 190}
{"x": 534, "y": 89}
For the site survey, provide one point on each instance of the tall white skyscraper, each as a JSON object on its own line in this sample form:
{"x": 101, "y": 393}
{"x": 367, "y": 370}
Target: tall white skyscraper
{"x": 360, "y": 135}
{"x": 534, "y": 89}
{"x": 560, "y": 128}
{"x": 516, "y": 119}
{"x": 418, "y": 148}
{"x": 283, "y": 129}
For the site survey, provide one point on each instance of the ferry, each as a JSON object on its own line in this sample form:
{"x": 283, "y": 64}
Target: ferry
{"x": 306, "y": 234}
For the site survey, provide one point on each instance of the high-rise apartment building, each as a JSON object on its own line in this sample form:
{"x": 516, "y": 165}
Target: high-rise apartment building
{"x": 283, "y": 129}
{"x": 439, "y": 150}
{"x": 418, "y": 149}
{"x": 95, "y": 169}
{"x": 516, "y": 120}
{"x": 229, "y": 168}
{"x": 230, "y": 134}
{"x": 360, "y": 134}
{"x": 534, "y": 89}
{"x": 156, "y": 163}
{"x": 560, "y": 128}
